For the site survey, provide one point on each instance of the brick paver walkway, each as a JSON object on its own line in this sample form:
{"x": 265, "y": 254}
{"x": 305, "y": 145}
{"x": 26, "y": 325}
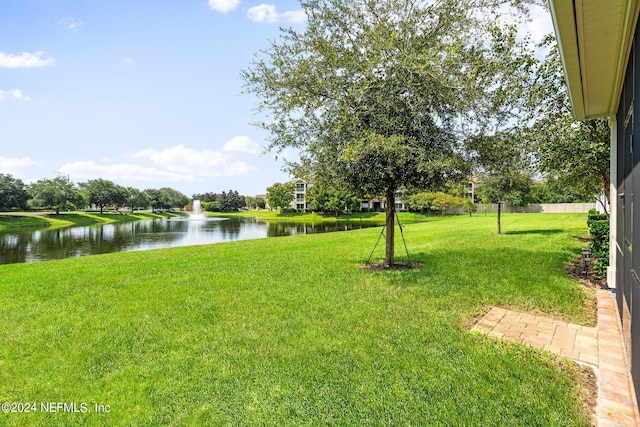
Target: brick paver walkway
{"x": 599, "y": 347}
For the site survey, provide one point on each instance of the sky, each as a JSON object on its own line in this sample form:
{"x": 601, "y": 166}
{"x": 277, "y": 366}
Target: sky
{"x": 144, "y": 93}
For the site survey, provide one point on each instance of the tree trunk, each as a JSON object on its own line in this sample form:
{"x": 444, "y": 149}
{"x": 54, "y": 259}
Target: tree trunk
{"x": 604, "y": 207}
{"x": 499, "y": 228}
{"x": 390, "y": 212}
{"x": 606, "y": 182}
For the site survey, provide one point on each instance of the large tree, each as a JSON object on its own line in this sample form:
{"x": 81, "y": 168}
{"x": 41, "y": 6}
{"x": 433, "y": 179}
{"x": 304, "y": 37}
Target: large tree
{"x": 332, "y": 199}
{"x": 103, "y": 192}
{"x": 57, "y": 193}
{"x": 575, "y": 153}
{"x": 165, "y": 198}
{"x": 136, "y": 199}
{"x": 370, "y": 91}
{"x": 13, "y": 193}
{"x": 281, "y": 195}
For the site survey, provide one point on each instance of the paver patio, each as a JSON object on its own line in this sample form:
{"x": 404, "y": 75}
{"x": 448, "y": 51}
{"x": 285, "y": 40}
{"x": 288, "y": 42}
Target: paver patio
{"x": 599, "y": 347}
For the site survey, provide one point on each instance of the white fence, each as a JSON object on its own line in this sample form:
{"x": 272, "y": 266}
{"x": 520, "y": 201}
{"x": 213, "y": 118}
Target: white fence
{"x": 541, "y": 207}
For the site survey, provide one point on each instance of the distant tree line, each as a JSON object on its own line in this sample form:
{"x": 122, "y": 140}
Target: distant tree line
{"x": 230, "y": 201}
{"x": 61, "y": 193}
{"x": 513, "y": 190}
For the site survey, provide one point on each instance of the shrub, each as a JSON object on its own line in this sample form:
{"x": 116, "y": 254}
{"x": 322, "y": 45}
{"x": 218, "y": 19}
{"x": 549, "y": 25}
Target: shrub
{"x": 211, "y": 206}
{"x": 599, "y": 230}
{"x": 595, "y": 216}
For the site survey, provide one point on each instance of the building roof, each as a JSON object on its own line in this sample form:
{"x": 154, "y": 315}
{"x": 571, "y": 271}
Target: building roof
{"x": 594, "y": 37}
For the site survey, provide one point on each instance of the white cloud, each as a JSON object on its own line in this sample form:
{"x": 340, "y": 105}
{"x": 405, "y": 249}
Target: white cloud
{"x": 540, "y": 24}
{"x": 17, "y": 94}
{"x": 127, "y": 60}
{"x": 263, "y": 13}
{"x": 177, "y": 164}
{"x": 242, "y": 144}
{"x": 223, "y": 6}
{"x": 70, "y": 23}
{"x": 84, "y": 170}
{"x": 24, "y": 60}
{"x": 269, "y": 13}
{"x": 12, "y": 166}
{"x": 297, "y": 16}
{"x": 181, "y": 159}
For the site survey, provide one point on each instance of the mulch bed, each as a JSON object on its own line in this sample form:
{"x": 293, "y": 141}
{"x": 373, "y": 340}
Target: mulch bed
{"x": 589, "y": 391}
{"x": 381, "y": 266}
{"x": 593, "y": 279}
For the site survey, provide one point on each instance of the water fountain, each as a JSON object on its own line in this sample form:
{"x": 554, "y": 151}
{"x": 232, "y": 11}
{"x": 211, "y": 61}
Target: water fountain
{"x": 196, "y": 213}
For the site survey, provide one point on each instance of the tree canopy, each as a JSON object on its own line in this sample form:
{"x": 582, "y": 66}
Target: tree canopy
{"x": 166, "y": 198}
{"x": 57, "y": 193}
{"x": 503, "y": 166}
{"x": 574, "y": 153}
{"x": 13, "y": 192}
{"x": 281, "y": 195}
{"x": 102, "y": 192}
{"x": 370, "y": 92}
{"x": 332, "y": 199}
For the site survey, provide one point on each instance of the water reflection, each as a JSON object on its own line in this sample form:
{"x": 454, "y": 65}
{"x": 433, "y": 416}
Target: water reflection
{"x": 73, "y": 242}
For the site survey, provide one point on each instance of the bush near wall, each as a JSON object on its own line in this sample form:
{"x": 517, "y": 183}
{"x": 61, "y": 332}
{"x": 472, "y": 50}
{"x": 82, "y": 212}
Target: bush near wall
{"x": 599, "y": 231}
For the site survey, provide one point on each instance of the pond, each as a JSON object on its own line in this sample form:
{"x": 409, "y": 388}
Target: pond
{"x": 43, "y": 245}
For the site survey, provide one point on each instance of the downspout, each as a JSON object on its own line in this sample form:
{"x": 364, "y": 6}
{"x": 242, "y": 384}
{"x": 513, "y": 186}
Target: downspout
{"x": 613, "y": 202}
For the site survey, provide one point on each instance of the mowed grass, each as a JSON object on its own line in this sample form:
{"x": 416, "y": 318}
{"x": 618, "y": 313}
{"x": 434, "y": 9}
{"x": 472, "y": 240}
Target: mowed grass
{"x": 291, "y": 331}
{"x": 327, "y": 217}
{"x": 20, "y": 221}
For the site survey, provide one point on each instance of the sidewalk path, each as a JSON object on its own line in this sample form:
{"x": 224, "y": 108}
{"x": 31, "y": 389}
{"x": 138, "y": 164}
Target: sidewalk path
{"x": 599, "y": 347}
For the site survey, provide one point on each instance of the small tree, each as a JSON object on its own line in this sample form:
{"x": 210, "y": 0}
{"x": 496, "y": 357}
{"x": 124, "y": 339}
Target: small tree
{"x": 281, "y": 195}
{"x": 420, "y": 201}
{"x": 503, "y": 164}
{"x": 498, "y": 187}
{"x": 442, "y": 202}
{"x": 260, "y": 203}
{"x": 330, "y": 199}
{"x": 249, "y": 202}
{"x": 469, "y": 207}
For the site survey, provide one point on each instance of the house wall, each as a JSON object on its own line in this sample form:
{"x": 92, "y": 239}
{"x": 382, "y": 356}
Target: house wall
{"x": 626, "y": 225}
{"x": 300, "y": 200}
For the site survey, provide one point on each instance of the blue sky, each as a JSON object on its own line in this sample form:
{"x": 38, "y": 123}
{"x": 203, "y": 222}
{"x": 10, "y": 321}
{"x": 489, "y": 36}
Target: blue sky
{"x": 144, "y": 93}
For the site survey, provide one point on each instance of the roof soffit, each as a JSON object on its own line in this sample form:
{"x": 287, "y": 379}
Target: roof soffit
{"x": 594, "y": 37}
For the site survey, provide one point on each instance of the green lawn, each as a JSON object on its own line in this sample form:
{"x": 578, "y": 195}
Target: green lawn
{"x": 22, "y": 220}
{"x": 378, "y": 217}
{"x": 291, "y": 331}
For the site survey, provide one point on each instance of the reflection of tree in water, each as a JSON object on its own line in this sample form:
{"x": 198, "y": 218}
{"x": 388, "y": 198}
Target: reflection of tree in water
{"x": 80, "y": 241}
{"x": 230, "y": 229}
{"x": 14, "y": 248}
{"x": 278, "y": 229}
{"x": 139, "y": 235}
